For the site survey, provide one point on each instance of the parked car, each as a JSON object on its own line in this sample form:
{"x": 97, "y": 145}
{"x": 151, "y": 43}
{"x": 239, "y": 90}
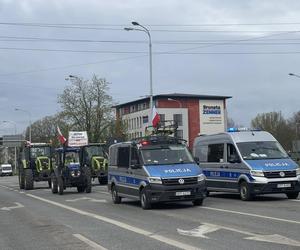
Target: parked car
{"x": 6, "y": 169}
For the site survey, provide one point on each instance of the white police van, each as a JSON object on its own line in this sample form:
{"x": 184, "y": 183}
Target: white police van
{"x": 154, "y": 169}
{"x": 248, "y": 162}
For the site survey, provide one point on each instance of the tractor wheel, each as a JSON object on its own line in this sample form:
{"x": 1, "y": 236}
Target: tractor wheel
{"x": 54, "y": 184}
{"x": 102, "y": 180}
{"x": 28, "y": 179}
{"x": 88, "y": 179}
{"x": 80, "y": 189}
{"x": 21, "y": 179}
{"x": 60, "y": 185}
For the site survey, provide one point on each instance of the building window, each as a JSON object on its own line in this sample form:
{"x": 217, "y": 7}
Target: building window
{"x": 179, "y": 134}
{"x": 162, "y": 117}
{"x": 178, "y": 119}
{"x": 145, "y": 119}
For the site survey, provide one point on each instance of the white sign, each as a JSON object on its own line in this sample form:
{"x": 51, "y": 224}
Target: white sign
{"x": 77, "y": 138}
{"x": 212, "y": 117}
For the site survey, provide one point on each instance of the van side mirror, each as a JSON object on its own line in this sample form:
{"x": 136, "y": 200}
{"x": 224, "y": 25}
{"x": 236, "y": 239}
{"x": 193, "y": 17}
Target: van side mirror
{"x": 197, "y": 160}
{"x": 234, "y": 159}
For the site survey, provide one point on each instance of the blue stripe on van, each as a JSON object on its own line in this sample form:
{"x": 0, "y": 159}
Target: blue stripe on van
{"x": 127, "y": 179}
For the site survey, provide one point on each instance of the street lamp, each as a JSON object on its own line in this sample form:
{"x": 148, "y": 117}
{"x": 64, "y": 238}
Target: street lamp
{"x": 29, "y": 115}
{"x": 292, "y": 74}
{"x": 144, "y": 29}
{"x": 179, "y": 102}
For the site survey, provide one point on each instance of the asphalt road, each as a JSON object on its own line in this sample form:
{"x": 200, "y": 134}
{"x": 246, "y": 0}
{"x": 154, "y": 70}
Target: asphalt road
{"x": 38, "y": 219}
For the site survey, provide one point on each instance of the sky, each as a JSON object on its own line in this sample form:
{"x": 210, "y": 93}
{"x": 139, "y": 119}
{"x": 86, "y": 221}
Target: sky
{"x": 243, "y": 49}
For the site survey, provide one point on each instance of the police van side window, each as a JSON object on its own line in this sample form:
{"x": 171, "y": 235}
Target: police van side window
{"x": 123, "y": 157}
{"x": 215, "y": 153}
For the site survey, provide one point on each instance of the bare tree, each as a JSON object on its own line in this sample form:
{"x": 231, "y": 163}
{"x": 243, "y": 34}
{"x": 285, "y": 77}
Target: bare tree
{"x": 87, "y": 106}
{"x": 277, "y": 125}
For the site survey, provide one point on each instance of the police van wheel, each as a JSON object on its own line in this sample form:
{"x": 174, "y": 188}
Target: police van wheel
{"x": 115, "y": 196}
{"x": 245, "y": 192}
{"x": 53, "y": 184}
{"x": 28, "y": 183}
{"x": 292, "y": 195}
{"x": 198, "y": 202}
{"x": 145, "y": 203}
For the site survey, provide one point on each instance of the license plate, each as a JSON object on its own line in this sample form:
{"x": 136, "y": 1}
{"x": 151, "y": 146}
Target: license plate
{"x": 183, "y": 193}
{"x": 284, "y": 185}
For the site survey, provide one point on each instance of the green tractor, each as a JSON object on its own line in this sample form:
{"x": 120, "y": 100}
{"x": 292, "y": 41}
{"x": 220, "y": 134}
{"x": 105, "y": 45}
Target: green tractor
{"x": 95, "y": 156}
{"x": 35, "y": 165}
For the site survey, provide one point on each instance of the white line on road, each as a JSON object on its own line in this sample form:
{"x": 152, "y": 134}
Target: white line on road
{"x": 89, "y": 242}
{"x": 88, "y": 199}
{"x": 18, "y": 205}
{"x": 207, "y": 228}
{"x": 168, "y": 241}
{"x": 251, "y": 215}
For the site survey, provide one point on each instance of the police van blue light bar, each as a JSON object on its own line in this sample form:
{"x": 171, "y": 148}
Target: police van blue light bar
{"x": 241, "y": 129}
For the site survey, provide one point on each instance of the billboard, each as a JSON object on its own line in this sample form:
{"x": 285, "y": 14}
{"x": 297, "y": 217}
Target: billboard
{"x": 77, "y": 138}
{"x": 212, "y": 116}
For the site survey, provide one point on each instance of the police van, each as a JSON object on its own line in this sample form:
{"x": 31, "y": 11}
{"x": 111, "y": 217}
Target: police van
{"x": 152, "y": 169}
{"x": 247, "y": 162}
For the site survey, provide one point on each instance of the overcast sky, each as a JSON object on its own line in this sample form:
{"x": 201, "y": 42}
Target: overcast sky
{"x": 243, "y": 49}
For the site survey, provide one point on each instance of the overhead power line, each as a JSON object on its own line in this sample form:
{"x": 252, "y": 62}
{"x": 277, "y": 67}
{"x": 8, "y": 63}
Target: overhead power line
{"x": 154, "y": 25}
{"x": 84, "y": 27}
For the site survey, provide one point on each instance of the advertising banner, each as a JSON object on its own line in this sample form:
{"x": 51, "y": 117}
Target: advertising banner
{"x": 212, "y": 117}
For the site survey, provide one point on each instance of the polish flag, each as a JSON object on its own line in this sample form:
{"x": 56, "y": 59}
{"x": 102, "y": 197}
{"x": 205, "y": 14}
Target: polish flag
{"x": 61, "y": 138}
{"x": 155, "y": 117}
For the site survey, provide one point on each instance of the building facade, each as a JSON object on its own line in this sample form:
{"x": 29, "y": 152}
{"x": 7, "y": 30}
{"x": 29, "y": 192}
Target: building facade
{"x": 194, "y": 114}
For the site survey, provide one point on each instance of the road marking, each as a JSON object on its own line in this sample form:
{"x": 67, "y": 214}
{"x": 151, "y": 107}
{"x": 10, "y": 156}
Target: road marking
{"x": 18, "y": 205}
{"x": 89, "y": 242}
{"x": 122, "y": 225}
{"x": 88, "y": 199}
{"x": 206, "y": 228}
{"x": 251, "y": 215}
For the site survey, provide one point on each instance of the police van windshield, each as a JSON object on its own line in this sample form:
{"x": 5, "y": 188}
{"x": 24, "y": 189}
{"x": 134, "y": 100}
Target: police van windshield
{"x": 167, "y": 154}
{"x": 261, "y": 150}
{"x": 37, "y": 152}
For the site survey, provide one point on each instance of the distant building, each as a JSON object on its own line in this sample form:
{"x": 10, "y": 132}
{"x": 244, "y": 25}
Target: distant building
{"x": 194, "y": 114}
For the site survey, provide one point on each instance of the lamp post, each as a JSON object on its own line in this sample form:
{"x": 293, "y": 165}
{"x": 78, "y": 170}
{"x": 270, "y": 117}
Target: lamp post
{"x": 295, "y": 75}
{"x": 174, "y": 100}
{"x": 15, "y": 126}
{"x": 145, "y": 30}
{"x": 29, "y": 115}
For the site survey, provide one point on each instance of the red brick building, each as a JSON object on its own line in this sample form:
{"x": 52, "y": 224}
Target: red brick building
{"x": 204, "y": 114}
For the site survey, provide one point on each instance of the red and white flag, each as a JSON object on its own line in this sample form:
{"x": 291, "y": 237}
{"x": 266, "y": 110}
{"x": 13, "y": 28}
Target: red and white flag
{"x": 61, "y": 138}
{"x": 155, "y": 117}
